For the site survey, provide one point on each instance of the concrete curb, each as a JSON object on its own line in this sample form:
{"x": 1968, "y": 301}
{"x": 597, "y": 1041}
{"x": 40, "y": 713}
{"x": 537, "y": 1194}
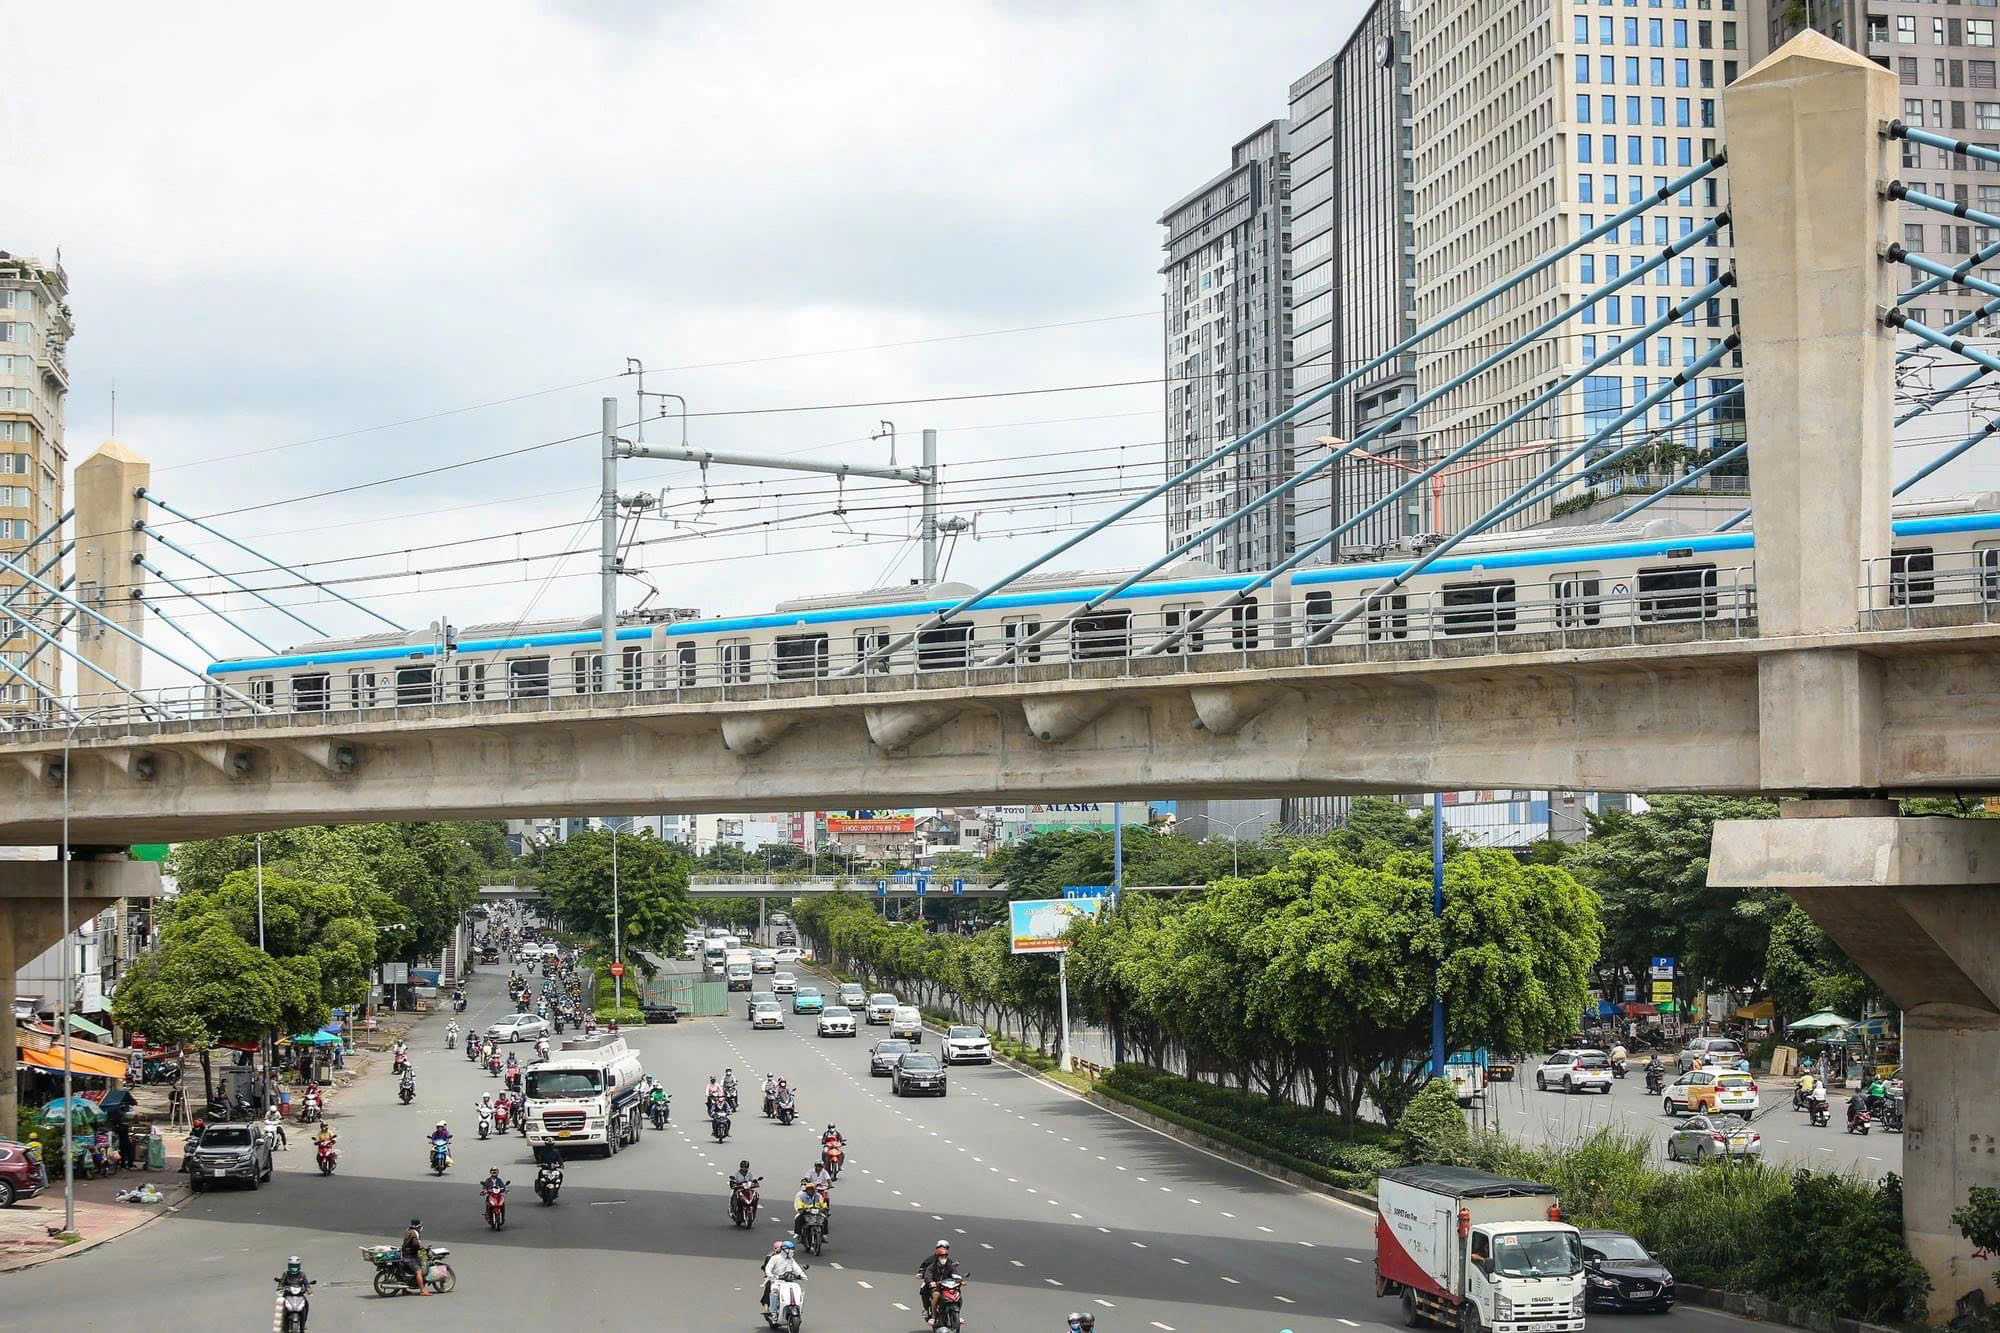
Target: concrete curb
{"x": 170, "y": 1203}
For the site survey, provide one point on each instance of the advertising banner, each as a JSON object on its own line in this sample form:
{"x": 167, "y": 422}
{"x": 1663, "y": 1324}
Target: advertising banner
{"x": 1039, "y": 924}
{"x": 870, "y": 821}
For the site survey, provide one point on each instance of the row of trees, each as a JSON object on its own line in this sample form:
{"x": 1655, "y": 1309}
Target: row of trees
{"x": 652, "y": 905}
{"x": 1314, "y": 974}
{"x": 335, "y": 902}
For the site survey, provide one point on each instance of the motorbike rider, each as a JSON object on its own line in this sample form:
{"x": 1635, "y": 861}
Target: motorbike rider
{"x": 936, "y": 1267}
{"x": 402, "y": 1051}
{"x": 808, "y": 1200}
{"x": 657, "y": 1097}
{"x": 1082, "y": 1323}
{"x": 770, "y": 1094}
{"x": 781, "y": 1266}
{"x": 1878, "y": 1096}
{"x": 729, "y": 1087}
{"x": 493, "y": 1181}
{"x": 441, "y": 1133}
{"x": 295, "y": 1276}
{"x": 742, "y": 1179}
{"x": 1857, "y": 1108}
{"x": 541, "y": 1048}
{"x": 831, "y": 1137}
{"x": 326, "y": 1138}
{"x": 1816, "y": 1102}
{"x": 411, "y": 1259}
{"x": 823, "y": 1180}
{"x": 451, "y": 1033}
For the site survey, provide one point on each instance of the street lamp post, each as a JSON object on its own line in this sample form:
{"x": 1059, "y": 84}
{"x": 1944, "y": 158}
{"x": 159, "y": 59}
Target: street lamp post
{"x": 1234, "y": 842}
{"x": 617, "y": 935}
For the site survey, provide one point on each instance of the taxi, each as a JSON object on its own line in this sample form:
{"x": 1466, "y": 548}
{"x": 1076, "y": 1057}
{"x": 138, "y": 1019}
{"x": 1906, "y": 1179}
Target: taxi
{"x": 1711, "y": 1092}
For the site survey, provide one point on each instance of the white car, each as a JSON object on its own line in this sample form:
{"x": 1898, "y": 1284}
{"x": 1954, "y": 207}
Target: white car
{"x": 967, "y": 1045}
{"x": 836, "y": 1022}
{"x": 908, "y": 1023}
{"x": 881, "y": 1007}
{"x": 1575, "y": 1071}
{"x": 768, "y": 1016}
{"x": 518, "y": 1027}
{"x": 784, "y": 983}
{"x": 788, "y": 955}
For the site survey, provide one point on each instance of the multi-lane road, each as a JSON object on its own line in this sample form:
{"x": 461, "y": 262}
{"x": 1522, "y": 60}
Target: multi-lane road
{"x": 1051, "y": 1203}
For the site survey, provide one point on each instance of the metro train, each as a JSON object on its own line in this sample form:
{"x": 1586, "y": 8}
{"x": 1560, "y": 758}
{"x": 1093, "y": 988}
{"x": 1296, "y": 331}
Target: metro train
{"x": 1536, "y": 580}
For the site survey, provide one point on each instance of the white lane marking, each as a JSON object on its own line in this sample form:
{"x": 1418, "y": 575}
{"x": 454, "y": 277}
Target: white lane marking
{"x": 1169, "y": 1328}
{"x": 1138, "y": 1244}
{"x": 1286, "y": 1299}
{"x": 868, "y": 1286}
{"x": 1231, "y": 1281}
{"x": 1308, "y": 1244}
{"x": 1349, "y": 1322}
{"x": 984, "y": 1246}
{"x": 1350, "y": 1258}
{"x": 1182, "y": 1262}
{"x": 1052, "y": 1282}
{"x": 899, "y": 1305}
{"x": 1105, "y": 1230}
{"x": 1106, "y": 1304}
{"x": 1229, "y": 1215}
{"x": 1265, "y": 1229}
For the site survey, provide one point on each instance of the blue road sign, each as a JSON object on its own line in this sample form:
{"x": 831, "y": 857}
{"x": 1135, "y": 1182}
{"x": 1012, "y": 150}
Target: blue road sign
{"x": 1084, "y": 891}
{"x": 958, "y": 885}
{"x": 881, "y": 888}
{"x": 923, "y": 885}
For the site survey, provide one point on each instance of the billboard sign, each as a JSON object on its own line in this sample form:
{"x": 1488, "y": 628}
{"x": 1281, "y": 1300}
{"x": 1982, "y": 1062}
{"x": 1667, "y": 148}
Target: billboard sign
{"x": 849, "y": 822}
{"x": 1039, "y": 924}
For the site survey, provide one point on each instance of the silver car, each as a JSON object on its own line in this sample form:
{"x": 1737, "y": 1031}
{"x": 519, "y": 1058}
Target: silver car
{"x": 881, "y": 1007}
{"x": 518, "y": 1027}
{"x": 768, "y": 1016}
{"x": 1702, "y": 1138}
{"x": 836, "y": 1022}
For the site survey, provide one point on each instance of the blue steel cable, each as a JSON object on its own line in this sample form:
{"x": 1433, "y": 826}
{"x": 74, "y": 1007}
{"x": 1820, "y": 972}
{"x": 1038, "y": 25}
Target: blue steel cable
{"x": 170, "y": 581}
{"x": 230, "y": 579}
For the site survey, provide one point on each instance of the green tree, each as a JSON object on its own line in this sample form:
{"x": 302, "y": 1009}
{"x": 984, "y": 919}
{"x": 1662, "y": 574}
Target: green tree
{"x": 1433, "y": 1127}
{"x": 653, "y": 906}
{"x": 324, "y": 924}
{"x": 1808, "y": 972}
{"x": 430, "y": 870}
{"x": 318, "y": 853}
{"x": 1651, "y": 870}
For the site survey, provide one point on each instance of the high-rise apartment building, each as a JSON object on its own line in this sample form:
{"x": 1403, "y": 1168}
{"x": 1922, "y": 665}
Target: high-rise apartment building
{"x": 34, "y": 379}
{"x": 1944, "y": 58}
{"x": 1533, "y": 124}
{"x": 1227, "y": 325}
{"x": 1353, "y": 275}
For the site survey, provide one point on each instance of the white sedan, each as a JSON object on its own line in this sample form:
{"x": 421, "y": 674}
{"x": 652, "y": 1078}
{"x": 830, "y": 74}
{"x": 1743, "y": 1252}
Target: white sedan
{"x": 788, "y": 955}
{"x": 836, "y": 1022}
{"x": 518, "y": 1027}
{"x": 784, "y": 983}
{"x": 767, "y": 1016}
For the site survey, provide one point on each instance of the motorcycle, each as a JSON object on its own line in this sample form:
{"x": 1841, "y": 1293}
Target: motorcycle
{"x": 832, "y": 1156}
{"x": 548, "y": 1181}
{"x": 1892, "y": 1116}
{"x": 440, "y": 1156}
{"x": 485, "y": 1124}
{"x": 946, "y": 1303}
{"x": 309, "y": 1111}
{"x": 513, "y": 1079}
{"x": 729, "y": 1091}
{"x": 329, "y": 1157}
{"x": 541, "y": 1050}
{"x": 493, "y": 1063}
{"x": 161, "y": 1071}
{"x": 718, "y": 1125}
{"x": 451, "y": 1037}
{"x": 1618, "y": 1069}
{"x": 787, "y": 1307}
{"x": 390, "y": 1279}
{"x": 1819, "y": 1114}
{"x": 658, "y": 1111}
{"x": 743, "y": 1204}
{"x": 1655, "y": 1080}
{"x": 787, "y": 1112}
{"x": 812, "y": 1232}
{"x": 1858, "y": 1120}
{"x": 770, "y": 1104}
{"x": 292, "y": 1301}
{"x": 472, "y": 1046}
{"x": 458, "y": 1004}
{"x": 495, "y": 1197}
{"x": 401, "y": 1063}
{"x": 503, "y": 1111}
{"x": 408, "y": 1091}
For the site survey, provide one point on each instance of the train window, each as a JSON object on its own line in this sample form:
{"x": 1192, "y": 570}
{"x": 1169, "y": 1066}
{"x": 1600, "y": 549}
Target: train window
{"x": 528, "y": 678}
{"x": 1912, "y": 577}
{"x": 800, "y": 656}
{"x": 1174, "y": 617}
{"x": 264, "y": 691}
{"x": 1106, "y": 634}
{"x": 1479, "y": 608}
{"x": 1677, "y": 592}
{"x": 685, "y": 656}
{"x": 735, "y": 660}
{"x": 472, "y": 680}
{"x": 945, "y": 647}
{"x": 873, "y": 641}
{"x": 1017, "y": 629}
{"x": 1575, "y": 594}
{"x": 360, "y": 689}
{"x": 310, "y": 693}
{"x": 1243, "y": 625}
{"x": 1388, "y": 617}
{"x": 1319, "y": 612}
{"x": 586, "y": 673}
{"x": 1989, "y": 572}
{"x": 416, "y": 685}
{"x": 632, "y": 669}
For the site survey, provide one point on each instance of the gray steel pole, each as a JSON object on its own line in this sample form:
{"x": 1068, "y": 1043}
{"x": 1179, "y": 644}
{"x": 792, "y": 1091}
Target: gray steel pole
{"x": 930, "y": 523}
{"x": 608, "y": 569}
{"x": 617, "y": 933}
{"x": 62, "y": 1009}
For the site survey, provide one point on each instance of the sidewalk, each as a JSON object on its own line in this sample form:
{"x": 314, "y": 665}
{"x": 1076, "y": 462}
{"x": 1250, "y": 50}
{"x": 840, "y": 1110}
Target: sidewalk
{"x": 26, "y": 1228}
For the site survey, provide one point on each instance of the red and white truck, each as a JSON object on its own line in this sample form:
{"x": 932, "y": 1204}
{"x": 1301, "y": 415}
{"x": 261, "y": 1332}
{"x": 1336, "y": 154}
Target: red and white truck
{"x": 1477, "y": 1252}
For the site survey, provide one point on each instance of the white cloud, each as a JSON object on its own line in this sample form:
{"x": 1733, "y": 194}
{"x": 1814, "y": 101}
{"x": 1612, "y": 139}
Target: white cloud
{"x": 285, "y": 224}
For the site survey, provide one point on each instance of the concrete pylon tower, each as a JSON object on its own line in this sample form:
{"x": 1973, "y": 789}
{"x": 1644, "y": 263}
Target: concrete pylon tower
{"x": 108, "y": 577}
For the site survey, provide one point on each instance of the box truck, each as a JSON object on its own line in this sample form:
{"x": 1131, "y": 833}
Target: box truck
{"x": 1477, "y": 1253}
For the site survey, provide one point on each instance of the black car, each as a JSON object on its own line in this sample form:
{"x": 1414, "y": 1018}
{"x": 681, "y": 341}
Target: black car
{"x": 229, "y": 1153}
{"x": 1619, "y": 1275}
{"x": 661, "y": 1012}
{"x": 883, "y": 1055}
{"x": 918, "y": 1072}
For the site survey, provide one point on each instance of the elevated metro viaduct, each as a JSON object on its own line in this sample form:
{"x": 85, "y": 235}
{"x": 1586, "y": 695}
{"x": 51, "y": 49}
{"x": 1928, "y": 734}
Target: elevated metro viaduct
{"x": 1813, "y": 701}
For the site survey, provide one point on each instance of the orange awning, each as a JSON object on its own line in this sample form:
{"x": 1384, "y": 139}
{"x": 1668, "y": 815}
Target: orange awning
{"x": 80, "y": 1062}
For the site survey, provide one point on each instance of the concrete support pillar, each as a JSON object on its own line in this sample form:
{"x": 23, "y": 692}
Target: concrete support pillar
{"x": 1916, "y": 904}
{"x": 108, "y": 511}
{"x": 1807, "y": 164}
{"x": 31, "y": 921}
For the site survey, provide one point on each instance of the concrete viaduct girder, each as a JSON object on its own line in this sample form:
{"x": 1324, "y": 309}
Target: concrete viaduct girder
{"x": 1675, "y": 714}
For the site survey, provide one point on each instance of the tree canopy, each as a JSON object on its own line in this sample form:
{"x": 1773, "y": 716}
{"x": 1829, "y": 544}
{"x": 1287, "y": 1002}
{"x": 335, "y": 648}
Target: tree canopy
{"x": 653, "y": 903}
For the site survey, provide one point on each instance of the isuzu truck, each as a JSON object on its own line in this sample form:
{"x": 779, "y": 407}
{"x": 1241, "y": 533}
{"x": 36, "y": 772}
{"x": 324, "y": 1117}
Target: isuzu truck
{"x": 1477, "y": 1253}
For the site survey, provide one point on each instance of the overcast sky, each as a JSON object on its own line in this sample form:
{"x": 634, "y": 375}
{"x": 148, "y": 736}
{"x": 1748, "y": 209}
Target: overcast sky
{"x": 315, "y": 249}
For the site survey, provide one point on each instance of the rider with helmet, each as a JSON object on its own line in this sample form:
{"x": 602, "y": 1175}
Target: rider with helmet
{"x": 781, "y": 1265}
{"x": 936, "y": 1267}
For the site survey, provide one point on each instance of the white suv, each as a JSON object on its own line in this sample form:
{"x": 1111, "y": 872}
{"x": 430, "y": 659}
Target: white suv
{"x": 881, "y": 1007}
{"x": 966, "y": 1045}
{"x": 1575, "y": 1071}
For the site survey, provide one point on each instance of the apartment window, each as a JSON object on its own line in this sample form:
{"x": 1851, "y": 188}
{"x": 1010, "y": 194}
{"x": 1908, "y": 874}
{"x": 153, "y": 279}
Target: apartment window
{"x": 1986, "y": 115}
{"x": 1631, "y": 32}
{"x": 1906, "y": 71}
{"x": 1979, "y": 73}
{"x": 311, "y": 694}
{"x": 1583, "y": 69}
{"x": 1583, "y": 148}
{"x": 1655, "y": 30}
{"x": 1906, "y": 29}
{"x": 1979, "y": 32}
{"x": 1479, "y": 608}
{"x": 528, "y": 678}
{"x": 1583, "y": 108}
{"x": 1913, "y": 111}
{"x": 1577, "y": 604}
{"x": 800, "y": 656}
{"x": 1583, "y": 30}
{"x": 1681, "y": 34}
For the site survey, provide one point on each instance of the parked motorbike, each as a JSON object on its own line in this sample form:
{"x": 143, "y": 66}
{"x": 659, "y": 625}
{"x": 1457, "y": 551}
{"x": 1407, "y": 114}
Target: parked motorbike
{"x": 293, "y": 1292}
{"x": 548, "y": 1181}
{"x": 390, "y": 1280}
{"x": 495, "y": 1197}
